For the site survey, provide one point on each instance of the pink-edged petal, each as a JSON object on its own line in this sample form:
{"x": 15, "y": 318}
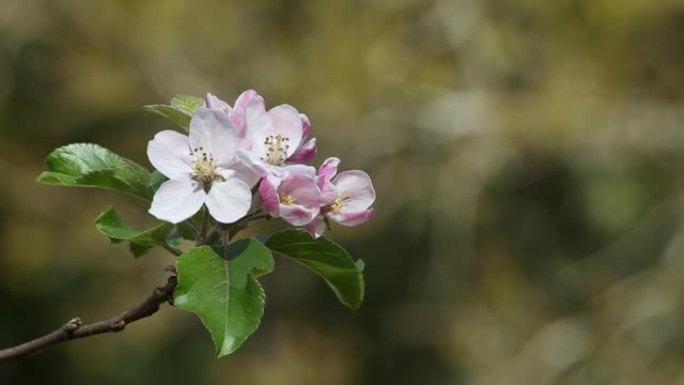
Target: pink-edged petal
{"x": 177, "y": 200}
{"x": 355, "y": 189}
{"x": 213, "y": 131}
{"x": 350, "y": 218}
{"x": 286, "y": 122}
{"x": 169, "y": 152}
{"x": 328, "y": 169}
{"x": 326, "y": 172}
{"x": 229, "y": 200}
{"x": 328, "y": 193}
{"x": 214, "y": 103}
{"x": 306, "y": 126}
{"x": 258, "y": 127}
{"x": 316, "y": 227}
{"x": 268, "y": 193}
{"x": 249, "y": 97}
{"x": 302, "y": 189}
{"x": 297, "y": 215}
{"x": 305, "y": 153}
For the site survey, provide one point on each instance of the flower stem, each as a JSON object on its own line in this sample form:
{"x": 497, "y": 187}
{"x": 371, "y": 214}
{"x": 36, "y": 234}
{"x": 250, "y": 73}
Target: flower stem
{"x": 171, "y": 249}
{"x": 203, "y": 231}
{"x": 226, "y": 238}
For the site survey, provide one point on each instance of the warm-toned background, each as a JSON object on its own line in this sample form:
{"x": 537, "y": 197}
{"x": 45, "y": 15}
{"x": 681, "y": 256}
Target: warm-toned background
{"x": 528, "y": 158}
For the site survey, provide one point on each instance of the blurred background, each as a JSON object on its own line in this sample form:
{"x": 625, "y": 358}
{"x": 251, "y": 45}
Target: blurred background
{"x": 528, "y": 158}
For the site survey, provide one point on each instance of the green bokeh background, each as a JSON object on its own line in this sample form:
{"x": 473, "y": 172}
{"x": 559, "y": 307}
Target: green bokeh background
{"x": 527, "y": 155}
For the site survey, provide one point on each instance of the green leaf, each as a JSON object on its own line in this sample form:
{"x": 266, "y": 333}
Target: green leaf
{"x": 156, "y": 179}
{"x": 224, "y": 292}
{"x": 110, "y": 224}
{"x": 186, "y": 103}
{"x": 180, "y": 111}
{"x": 174, "y": 114}
{"x": 325, "y": 258}
{"x": 89, "y": 165}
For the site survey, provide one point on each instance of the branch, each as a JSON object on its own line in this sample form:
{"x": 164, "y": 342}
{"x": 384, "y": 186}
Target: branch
{"x": 74, "y": 329}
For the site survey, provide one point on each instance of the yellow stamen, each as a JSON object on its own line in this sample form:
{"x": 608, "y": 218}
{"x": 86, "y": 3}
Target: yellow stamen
{"x": 287, "y": 199}
{"x": 335, "y": 206}
{"x": 204, "y": 165}
{"x": 276, "y": 149}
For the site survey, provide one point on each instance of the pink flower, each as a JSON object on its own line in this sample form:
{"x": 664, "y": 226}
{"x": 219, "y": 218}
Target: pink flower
{"x": 294, "y": 196}
{"x": 202, "y": 170}
{"x": 247, "y": 116}
{"x": 345, "y": 197}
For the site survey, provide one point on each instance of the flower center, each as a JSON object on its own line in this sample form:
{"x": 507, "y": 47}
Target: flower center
{"x": 287, "y": 199}
{"x": 204, "y": 165}
{"x": 335, "y": 206}
{"x": 276, "y": 149}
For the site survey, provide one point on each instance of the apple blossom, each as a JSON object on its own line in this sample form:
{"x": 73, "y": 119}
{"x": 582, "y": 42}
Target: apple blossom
{"x": 294, "y": 196}
{"x": 345, "y": 197}
{"x": 250, "y": 99}
{"x": 202, "y": 170}
{"x": 274, "y": 136}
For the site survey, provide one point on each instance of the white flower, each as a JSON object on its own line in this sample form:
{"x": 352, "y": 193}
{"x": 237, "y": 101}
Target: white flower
{"x": 252, "y": 101}
{"x": 274, "y": 136}
{"x": 202, "y": 169}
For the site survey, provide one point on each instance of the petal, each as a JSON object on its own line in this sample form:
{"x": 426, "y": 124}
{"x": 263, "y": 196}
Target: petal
{"x": 350, "y": 218}
{"x": 286, "y": 122}
{"x": 306, "y": 126}
{"x": 258, "y": 127}
{"x": 355, "y": 189}
{"x": 328, "y": 193}
{"x": 302, "y": 188}
{"x": 169, "y": 152}
{"x": 305, "y": 153}
{"x": 294, "y": 169}
{"x": 268, "y": 193}
{"x": 297, "y": 215}
{"x": 177, "y": 200}
{"x": 251, "y": 161}
{"x": 328, "y": 169}
{"x": 229, "y": 200}
{"x": 316, "y": 227}
{"x": 241, "y": 171}
{"x": 249, "y": 97}
{"x": 214, "y": 103}
{"x": 213, "y": 131}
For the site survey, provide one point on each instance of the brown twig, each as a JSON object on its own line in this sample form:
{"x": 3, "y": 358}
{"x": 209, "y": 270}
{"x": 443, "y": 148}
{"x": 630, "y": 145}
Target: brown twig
{"x": 74, "y": 329}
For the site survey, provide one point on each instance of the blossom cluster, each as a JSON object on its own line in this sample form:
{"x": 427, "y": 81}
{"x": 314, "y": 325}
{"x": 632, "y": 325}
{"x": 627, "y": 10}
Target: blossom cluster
{"x": 233, "y": 152}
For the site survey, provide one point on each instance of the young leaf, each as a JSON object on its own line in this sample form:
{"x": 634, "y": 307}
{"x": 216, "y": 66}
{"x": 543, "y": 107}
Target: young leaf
{"x": 180, "y": 111}
{"x": 110, "y": 224}
{"x": 180, "y": 117}
{"x": 186, "y": 103}
{"x": 325, "y": 258}
{"x": 89, "y": 165}
{"x": 224, "y": 293}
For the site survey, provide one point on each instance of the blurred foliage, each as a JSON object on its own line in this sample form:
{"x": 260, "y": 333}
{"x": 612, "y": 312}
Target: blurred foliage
{"x": 528, "y": 158}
